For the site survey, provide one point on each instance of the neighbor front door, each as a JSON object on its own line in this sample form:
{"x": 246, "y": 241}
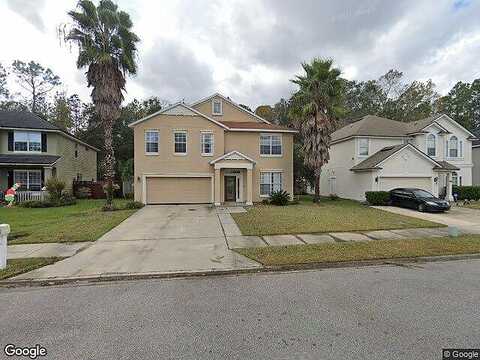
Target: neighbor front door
{"x": 230, "y": 188}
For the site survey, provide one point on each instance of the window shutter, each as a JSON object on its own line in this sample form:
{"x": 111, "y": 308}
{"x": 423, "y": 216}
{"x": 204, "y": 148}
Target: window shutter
{"x": 461, "y": 149}
{"x": 10, "y": 178}
{"x": 44, "y": 142}
{"x": 10, "y": 141}
{"x": 446, "y": 148}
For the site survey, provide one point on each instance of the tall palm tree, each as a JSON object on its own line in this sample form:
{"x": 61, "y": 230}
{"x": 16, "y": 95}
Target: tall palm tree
{"x": 107, "y": 47}
{"x": 315, "y": 108}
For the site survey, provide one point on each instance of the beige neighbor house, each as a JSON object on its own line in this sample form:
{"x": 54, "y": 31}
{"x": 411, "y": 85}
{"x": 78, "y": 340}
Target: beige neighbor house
{"x": 32, "y": 150}
{"x": 211, "y": 151}
{"x": 375, "y": 153}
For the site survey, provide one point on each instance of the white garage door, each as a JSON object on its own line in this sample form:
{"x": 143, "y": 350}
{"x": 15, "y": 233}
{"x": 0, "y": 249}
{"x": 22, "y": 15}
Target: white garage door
{"x": 179, "y": 190}
{"x": 424, "y": 183}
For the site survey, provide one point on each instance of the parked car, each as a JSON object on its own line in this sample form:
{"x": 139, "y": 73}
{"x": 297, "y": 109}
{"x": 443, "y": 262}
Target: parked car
{"x": 418, "y": 199}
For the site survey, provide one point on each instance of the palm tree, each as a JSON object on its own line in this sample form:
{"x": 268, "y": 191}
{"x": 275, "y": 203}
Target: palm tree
{"x": 107, "y": 47}
{"x": 315, "y": 109}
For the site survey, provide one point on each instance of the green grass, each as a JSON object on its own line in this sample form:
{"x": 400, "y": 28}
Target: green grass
{"x": 368, "y": 250}
{"x": 19, "y": 266}
{"x": 84, "y": 221}
{"x": 326, "y": 216}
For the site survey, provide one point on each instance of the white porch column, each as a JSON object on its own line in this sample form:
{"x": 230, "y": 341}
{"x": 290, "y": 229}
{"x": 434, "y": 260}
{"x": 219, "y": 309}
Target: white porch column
{"x": 449, "y": 195}
{"x": 249, "y": 187}
{"x": 4, "y": 231}
{"x": 217, "y": 187}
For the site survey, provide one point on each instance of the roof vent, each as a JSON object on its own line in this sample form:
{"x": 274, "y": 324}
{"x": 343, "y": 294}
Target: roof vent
{"x": 387, "y": 148}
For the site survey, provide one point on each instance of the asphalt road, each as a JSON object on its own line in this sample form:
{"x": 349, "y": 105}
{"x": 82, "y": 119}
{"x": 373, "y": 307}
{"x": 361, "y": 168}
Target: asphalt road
{"x": 387, "y": 312}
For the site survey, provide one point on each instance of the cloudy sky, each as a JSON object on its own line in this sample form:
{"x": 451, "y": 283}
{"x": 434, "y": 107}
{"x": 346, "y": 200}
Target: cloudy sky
{"x": 249, "y": 49}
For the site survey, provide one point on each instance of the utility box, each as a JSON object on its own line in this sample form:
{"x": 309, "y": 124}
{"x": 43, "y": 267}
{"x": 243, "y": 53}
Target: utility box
{"x": 4, "y": 231}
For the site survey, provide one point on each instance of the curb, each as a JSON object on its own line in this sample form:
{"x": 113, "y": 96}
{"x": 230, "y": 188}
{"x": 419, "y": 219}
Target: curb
{"x": 266, "y": 269}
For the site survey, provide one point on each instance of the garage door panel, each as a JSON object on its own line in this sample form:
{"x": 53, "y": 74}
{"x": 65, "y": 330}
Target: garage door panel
{"x": 178, "y": 190}
{"x": 387, "y": 184}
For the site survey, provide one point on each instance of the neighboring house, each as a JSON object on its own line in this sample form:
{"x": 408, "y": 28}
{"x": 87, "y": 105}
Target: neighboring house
{"x": 32, "y": 150}
{"x": 476, "y": 162}
{"x": 211, "y": 151}
{"x": 375, "y": 153}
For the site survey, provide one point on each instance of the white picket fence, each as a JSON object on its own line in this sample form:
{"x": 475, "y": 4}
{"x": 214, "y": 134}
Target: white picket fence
{"x": 22, "y": 196}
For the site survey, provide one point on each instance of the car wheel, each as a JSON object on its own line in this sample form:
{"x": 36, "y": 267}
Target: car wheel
{"x": 421, "y": 207}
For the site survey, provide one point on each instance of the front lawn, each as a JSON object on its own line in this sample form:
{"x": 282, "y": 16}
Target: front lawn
{"x": 367, "y": 250}
{"x": 326, "y": 216}
{"x": 19, "y": 266}
{"x": 84, "y": 221}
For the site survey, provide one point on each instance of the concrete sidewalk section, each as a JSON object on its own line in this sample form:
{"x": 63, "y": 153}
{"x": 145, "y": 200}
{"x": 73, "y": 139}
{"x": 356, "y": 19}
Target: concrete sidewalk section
{"x": 23, "y": 251}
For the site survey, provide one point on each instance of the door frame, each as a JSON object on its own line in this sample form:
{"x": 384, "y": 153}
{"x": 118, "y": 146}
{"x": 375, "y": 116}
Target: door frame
{"x": 238, "y": 186}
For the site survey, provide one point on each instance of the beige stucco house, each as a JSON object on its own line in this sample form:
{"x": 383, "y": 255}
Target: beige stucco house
{"x": 32, "y": 150}
{"x": 211, "y": 151}
{"x": 375, "y": 153}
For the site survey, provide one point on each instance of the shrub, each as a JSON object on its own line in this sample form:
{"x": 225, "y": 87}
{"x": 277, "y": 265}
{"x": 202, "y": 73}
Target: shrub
{"x": 134, "y": 205}
{"x": 55, "y": 188}
{"x": 279, "y": 198}
{"x": 83, "y": 192}
{"x": 467, "y": 192}
{"x": 377, "y": 197}
{"x": 65, "y": 200}
{"x": 129, "y": 196}
{"x": 36, "y": 204}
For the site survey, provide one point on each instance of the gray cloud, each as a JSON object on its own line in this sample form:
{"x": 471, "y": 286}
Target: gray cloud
{"x": 173, "y": 72}
{"x": 29, "y": 10}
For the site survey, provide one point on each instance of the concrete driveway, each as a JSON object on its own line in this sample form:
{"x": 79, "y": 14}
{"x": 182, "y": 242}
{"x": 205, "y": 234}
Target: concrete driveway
{"x": 467, "y": 220}
{"x": 177, "y": 238}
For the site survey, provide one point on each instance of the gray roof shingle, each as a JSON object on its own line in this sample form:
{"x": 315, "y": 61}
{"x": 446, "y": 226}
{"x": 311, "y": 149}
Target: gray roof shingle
{"x": 28, "y": 159}
{"x": 371, "y": 162}
{"x": 24, "y": 120}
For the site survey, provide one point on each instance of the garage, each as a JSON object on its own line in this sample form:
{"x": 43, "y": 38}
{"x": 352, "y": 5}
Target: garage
{"x": 389, "y": 183}
{"x": 178, "y": 190}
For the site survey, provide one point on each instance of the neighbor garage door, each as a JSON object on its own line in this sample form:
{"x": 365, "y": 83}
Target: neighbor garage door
{"x": 424, "y": 183}
{"x": 179, "y": 190}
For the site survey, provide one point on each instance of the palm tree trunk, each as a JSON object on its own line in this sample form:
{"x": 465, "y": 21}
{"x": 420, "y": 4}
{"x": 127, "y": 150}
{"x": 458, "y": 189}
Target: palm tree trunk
{"x": 316, "y": 198}
{"x": 109, "y": 161}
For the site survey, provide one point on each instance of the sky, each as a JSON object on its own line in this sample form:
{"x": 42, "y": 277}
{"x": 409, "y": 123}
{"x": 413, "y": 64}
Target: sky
{"x": 250, "y": 49}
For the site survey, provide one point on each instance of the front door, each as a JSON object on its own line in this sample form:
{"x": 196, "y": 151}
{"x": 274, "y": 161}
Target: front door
{"x": 230, "y": 188}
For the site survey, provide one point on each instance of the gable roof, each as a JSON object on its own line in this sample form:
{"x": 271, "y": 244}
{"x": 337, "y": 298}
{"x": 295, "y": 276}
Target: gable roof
{"x": 182, "y": 109}
{"x": 371, "y": 125}
{"x": 169, "y": 110}
{"x": 233, "y": 155}
{"x": 29, "y": 121}
{"x": 26, "y": 159}
{"x": 373, "y": 162}
{"x": 228, "y": 100}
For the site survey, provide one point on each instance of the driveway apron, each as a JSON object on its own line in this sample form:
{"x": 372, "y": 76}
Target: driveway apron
{"x": 156, "y": 239}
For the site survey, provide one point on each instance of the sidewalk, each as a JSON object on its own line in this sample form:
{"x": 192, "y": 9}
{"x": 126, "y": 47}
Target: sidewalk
{"x": 24, "y": 251}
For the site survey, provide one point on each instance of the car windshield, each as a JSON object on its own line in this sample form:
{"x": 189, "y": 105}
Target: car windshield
{"x": 422, "y": 194}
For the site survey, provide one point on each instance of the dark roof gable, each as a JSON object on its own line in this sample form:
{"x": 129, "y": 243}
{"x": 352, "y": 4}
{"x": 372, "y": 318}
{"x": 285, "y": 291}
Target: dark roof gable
{"x": 24, "y": 120}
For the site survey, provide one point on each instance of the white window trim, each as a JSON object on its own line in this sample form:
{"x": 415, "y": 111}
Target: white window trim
{"x": 271, "y": 136}
{"x": 28, "y": 177}
{"x": 435, "y": 143}
{"x": 260, "y": 181}
{"x": 203, "y": 132}
{"x": 459, "y": 149}
{"x": 213, "y": 107}
{"x": 178, "y": 131}
{"x": 358, "y": 147}
{"x": 28, "y": 142}
{"x": 145, "y": 141}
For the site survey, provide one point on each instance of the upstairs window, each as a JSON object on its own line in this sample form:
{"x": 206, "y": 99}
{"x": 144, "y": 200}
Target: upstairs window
{"x": 151, "y": 142}
{"x": 180, "y": 139}
{"x": 217, "y": 107}
{"x": 206, "y": 140}
{"x": 453, "y": 147}
{"x": 431, "y": 145}
{"x": 27, "y": 141}
{"x": 270, "y": 145}
{"x": 363, "y": 147}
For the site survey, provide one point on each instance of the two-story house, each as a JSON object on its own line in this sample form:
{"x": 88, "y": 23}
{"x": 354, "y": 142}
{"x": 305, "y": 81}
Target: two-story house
{"x": 211, "y": 151}
{"x": 32, "y": 150}
{"x": 375, "y": 153}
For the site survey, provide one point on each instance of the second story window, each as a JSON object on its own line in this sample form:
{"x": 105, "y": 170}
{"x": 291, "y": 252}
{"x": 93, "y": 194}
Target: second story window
{"x": 431, "y": 145}
{"x": 217, "y": 107}
{"x": 206, "y": 140}
{"x": 270, "y": 145}
{"x": 151, "y": 142}
{"x": 453, "y": 147}
{"x": 180, "y": 139}
{"x": 363, "y": 147}
{"x": 27, "y": 141}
